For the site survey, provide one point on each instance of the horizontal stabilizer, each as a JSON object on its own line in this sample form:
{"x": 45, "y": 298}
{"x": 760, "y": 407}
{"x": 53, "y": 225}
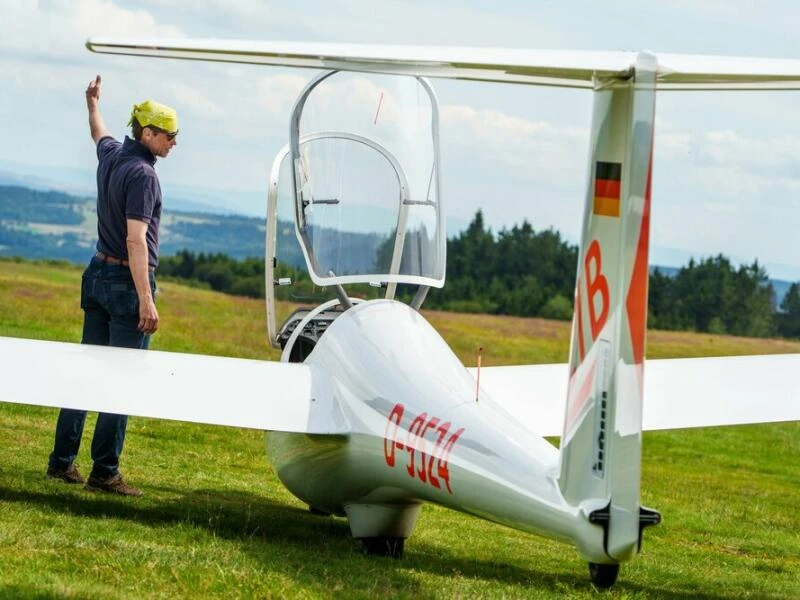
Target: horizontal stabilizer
{"x": 678, "y": 393}
{"x": 565, "y": 68}
{"x": 165, "y": 385}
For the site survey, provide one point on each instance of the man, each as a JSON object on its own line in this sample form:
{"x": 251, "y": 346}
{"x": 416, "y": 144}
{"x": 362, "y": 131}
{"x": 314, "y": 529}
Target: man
{"x": 118, "y": 286}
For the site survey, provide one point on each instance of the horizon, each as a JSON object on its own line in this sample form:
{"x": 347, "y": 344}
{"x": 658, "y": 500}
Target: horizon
{"x": 189, "y": 205}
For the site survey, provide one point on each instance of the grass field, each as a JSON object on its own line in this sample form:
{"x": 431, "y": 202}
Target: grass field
{"x": 215, "y": 522}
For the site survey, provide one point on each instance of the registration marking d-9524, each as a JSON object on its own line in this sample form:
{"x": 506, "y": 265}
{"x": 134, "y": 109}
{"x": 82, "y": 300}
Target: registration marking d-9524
{"x": 428, "y": 446}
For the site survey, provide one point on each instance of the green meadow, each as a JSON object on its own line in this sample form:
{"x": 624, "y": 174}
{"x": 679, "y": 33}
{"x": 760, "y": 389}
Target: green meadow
{"x": 215, "y": 521}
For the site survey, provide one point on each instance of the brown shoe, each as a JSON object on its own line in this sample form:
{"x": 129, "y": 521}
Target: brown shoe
{"x": 113, "y": 485}
{"x": 68, "y": 475}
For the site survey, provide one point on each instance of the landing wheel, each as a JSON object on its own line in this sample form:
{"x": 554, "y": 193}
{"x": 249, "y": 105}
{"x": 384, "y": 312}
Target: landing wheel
{"x": 603, "y": 576}
{"x": 318, "y": 511}
{"x": 383, "y": 546}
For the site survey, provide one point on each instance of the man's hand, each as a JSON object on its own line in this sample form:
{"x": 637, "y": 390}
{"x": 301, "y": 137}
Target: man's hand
{"x": 148, "y": 315}
{"x": 93, "y": 93}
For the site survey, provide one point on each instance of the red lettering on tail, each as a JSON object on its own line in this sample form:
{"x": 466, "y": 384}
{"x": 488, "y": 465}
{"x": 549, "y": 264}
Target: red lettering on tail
{"x": 596, "y": 283}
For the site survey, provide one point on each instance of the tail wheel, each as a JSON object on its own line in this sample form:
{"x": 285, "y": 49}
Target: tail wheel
{"x": 603, "y": 576}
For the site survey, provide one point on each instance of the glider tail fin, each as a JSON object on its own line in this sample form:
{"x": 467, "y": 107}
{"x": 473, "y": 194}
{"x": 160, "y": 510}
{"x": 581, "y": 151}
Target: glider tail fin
{"x": 601, "y": 440}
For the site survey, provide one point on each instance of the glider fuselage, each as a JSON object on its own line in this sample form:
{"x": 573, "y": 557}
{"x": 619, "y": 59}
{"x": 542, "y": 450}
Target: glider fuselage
{"x": 412, "y": 429}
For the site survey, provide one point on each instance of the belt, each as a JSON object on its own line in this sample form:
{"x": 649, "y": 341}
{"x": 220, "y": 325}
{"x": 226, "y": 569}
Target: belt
{"x": 111, "y": 260}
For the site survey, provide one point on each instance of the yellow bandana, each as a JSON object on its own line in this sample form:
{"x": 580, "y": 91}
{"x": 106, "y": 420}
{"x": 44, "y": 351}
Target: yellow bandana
{"x": 153, "y": 113}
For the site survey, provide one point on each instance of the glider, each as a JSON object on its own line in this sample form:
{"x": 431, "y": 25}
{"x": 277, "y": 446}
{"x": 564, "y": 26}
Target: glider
{"x": 369, "y": 414}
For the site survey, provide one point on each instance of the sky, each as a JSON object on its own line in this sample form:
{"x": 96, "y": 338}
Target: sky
{"x": 726, "y": 175}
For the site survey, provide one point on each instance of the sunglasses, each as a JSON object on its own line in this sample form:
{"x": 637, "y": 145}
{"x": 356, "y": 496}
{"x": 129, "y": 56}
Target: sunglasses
{"x": 170, "y": 134}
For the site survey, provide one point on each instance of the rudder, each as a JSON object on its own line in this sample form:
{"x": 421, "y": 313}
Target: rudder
{"x": 601, "y": 441}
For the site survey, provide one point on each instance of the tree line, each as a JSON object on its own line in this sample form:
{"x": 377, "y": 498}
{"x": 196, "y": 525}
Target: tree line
{"x": 522, "y": 272}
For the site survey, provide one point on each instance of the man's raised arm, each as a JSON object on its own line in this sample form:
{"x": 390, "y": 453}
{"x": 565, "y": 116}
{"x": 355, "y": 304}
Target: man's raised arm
{"x": 97, "y": 126}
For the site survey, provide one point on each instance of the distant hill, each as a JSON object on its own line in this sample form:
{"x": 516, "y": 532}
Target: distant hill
{"x": 37, "y": 223}
{"x": 52, "y": 224}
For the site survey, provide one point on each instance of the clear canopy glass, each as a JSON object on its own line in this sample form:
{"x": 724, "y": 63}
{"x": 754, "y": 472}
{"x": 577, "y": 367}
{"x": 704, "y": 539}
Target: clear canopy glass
{"x": 354, "y": 197}
{"x": 367, "y": 202}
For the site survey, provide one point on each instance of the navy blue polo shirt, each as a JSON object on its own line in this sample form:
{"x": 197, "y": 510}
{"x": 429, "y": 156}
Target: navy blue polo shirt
{"x": 127, "y": 188}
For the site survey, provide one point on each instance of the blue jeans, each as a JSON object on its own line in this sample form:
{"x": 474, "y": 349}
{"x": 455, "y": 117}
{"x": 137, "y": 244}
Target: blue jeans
{"x": 110, "y": 317}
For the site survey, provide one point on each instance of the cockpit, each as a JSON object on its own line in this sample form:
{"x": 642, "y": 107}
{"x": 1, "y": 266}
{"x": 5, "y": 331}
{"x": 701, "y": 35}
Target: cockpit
{"x": 354, "y": 206}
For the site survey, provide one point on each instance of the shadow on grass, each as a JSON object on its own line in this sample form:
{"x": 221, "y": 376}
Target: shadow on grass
{"x": 309, "y": 546}
{"x": 27, "y": 591}
{"x": 226, "y": 514}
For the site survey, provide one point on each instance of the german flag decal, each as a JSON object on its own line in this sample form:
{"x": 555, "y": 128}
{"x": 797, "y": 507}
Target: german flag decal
{"x": 606, "y": 189}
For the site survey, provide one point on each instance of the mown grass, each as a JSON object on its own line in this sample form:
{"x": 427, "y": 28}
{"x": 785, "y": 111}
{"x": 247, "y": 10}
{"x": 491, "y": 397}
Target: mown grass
{"x": 215, "y": 522}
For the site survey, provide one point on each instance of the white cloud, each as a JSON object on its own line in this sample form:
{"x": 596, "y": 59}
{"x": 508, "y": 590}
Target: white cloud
{"x": 276, "y": 94}
{"x": 193, "y": 99}
{"x": 59, "y": 28}
{"x": 204, "y": 16}
{"x": 728, "y": 165}
{"x": 524, "y": 149}
{"x": 102, "y": 17}
{"x": 767, "y": 155}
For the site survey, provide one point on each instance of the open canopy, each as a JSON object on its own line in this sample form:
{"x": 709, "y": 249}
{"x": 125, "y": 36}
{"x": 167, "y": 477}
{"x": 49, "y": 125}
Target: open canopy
{"x": 363, "y": 158}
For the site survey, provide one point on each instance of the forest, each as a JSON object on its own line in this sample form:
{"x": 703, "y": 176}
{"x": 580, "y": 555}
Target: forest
{"x": 520, "y": 271}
